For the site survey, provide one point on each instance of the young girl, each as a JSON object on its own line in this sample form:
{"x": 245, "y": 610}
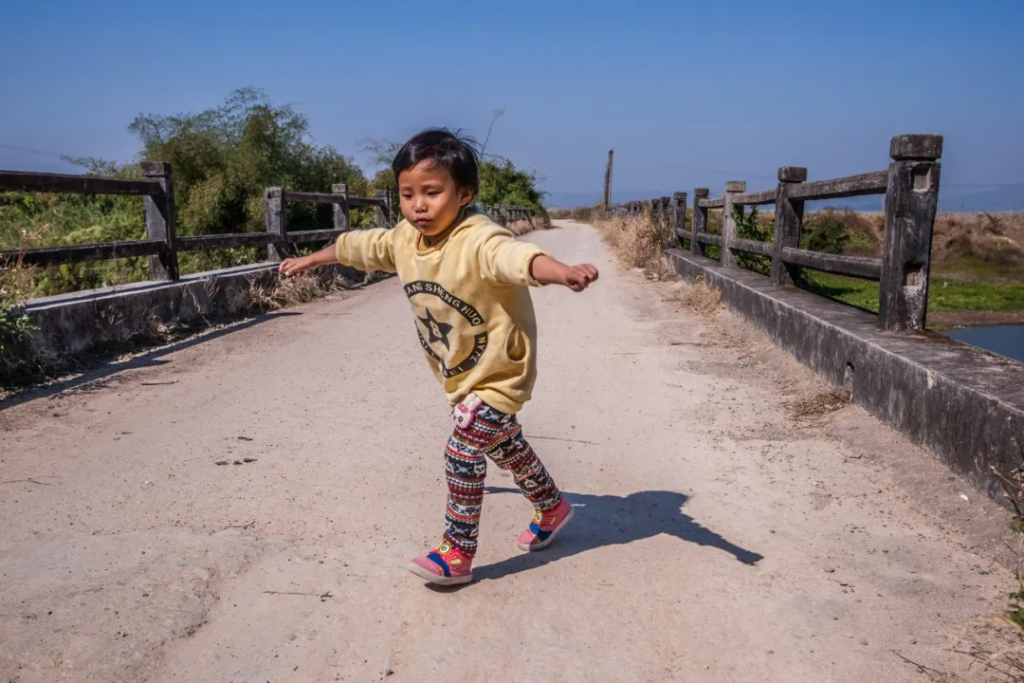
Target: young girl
{"x": 466, "y": 279}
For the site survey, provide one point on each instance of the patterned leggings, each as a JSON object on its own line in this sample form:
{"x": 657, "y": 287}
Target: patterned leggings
{"x": 498, "y": 436}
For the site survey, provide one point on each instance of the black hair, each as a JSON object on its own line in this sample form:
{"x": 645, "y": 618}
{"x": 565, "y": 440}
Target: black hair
{"x": 452, "y": 151}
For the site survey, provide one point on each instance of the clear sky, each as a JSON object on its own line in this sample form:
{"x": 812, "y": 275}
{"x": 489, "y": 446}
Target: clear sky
{"x": 741, "y": 87}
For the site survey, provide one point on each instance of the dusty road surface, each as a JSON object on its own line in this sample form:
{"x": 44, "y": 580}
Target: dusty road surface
{"x": 717, "y": 538}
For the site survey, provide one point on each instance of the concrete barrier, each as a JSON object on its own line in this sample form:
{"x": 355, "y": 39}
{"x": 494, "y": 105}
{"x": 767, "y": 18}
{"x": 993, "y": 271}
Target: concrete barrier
{"x": 76, "y": 323}
{"x": 963, "y": 404}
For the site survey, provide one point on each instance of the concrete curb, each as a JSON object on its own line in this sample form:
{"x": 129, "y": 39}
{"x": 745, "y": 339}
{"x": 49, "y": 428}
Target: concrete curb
{"x": 75, "y": 323}
{"x": 963, "y": 404}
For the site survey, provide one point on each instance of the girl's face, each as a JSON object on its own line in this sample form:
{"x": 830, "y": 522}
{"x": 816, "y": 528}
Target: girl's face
{"x": 429, "y": 197}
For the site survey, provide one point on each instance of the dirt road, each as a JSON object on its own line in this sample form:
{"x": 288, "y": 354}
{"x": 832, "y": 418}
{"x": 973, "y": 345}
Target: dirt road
{"x": 716, "y": 539}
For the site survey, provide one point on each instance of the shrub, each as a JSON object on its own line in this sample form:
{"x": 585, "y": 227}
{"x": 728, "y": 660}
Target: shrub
{"x": 640, "y": 242}
{"x": 825, "y": 232}
{"x": 749, "y": 226}
{"x": 16, "y": 327}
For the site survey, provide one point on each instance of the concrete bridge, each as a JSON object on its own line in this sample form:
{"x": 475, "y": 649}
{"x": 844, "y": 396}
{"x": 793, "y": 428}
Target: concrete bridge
{"x": 730, "y": 525}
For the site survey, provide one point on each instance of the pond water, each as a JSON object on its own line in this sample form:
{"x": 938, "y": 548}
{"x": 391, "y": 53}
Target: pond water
{"x": 1006, "y": 340}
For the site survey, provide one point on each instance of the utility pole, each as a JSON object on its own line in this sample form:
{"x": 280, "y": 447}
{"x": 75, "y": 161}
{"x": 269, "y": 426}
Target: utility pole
{"x": 608, "y": 181}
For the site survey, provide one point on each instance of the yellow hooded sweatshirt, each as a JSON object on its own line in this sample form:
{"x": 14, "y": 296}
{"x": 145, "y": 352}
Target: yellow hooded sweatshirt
{"x": 470, "y": 302}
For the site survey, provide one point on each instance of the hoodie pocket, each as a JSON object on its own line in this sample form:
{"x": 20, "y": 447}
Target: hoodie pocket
{"x": 515, "y": 345}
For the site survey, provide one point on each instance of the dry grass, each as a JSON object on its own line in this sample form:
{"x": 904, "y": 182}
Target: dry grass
{"x": 993, "y": 648}
{"x": 640, "y": 242}
{"x": 15, "y": 282}
{"x": 699, "y": 297}
{"x": 994, "y": 238}
{"x": 818, "y": 405}
{"x": 583, "y": 214}
{"x": 274, "y": 293}
{"x": 997, "y": 238}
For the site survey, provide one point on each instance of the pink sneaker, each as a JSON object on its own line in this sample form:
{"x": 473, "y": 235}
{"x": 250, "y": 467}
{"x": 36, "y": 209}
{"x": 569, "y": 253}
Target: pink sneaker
{"x": 445, "y": 566}
{"x": 545, "y": 526}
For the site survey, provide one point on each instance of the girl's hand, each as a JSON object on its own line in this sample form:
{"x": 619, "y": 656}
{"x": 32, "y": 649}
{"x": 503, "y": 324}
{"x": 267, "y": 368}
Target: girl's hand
{"x": 578, "y": 278}
{"x": 548, "y": 271}
{"x": 293, "y": 266}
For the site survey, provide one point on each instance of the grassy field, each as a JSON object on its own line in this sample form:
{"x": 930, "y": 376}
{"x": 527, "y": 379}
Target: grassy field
{"x": 950, "y": 302}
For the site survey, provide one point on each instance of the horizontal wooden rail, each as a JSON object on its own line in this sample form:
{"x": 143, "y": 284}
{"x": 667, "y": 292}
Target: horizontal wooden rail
{"x": 707, "y": 238}
{"x": 718, "y": 203}
{"x": 751, "y": 246}
{"x": 910, "y": 186}
{"x": 329, "y": 198}
{"x": 300, "y": 236}
{"x": 366, "y": 201}
{"x": 17, "y": 181}
{"x": 755, "y": 198}
{"x": 231, "y": 240}
{"x": 851, "y": 186}
{"x": 313, "y": 197}
{"x": 856, "y": 266}
{"x": 52, "y": 256}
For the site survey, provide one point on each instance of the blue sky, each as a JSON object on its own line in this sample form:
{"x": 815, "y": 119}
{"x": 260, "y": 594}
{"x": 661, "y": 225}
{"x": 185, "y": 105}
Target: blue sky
{"x": 740, "y": 87}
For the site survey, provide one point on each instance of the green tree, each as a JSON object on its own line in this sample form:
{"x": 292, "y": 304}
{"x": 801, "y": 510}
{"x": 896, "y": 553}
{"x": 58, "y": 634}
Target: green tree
{"x": 224, "y": 158}
{"x": 502, "y": 183}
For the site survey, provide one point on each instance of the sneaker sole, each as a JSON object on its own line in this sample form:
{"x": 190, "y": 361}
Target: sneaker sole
{"x": 430, "y": 577}
{"x": 550, "y": 539}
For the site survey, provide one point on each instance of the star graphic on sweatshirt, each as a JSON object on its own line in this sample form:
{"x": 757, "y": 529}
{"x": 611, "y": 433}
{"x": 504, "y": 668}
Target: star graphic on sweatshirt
{"x": 438, "y": 330}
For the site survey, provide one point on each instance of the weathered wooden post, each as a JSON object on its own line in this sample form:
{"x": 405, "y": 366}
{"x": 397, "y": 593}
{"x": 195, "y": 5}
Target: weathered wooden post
{"x": 789, "y": 221}
{"x": 341, "y": 215}
{"x": 911, "y": 199}
{"x": 160, "y": 221}
{"x": 679, "y": 215}
{"x": 608, "y": 180}
{"x": 665, "y": 206}
{"x": 700, "y": 220}
{"x": 383, "y": 209}
{"x": 732, "y": 187}
{"x": 277, "y": 246}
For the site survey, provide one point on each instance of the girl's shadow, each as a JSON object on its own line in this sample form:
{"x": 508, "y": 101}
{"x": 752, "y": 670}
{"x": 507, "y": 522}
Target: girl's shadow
{"x": 616, "y": 520}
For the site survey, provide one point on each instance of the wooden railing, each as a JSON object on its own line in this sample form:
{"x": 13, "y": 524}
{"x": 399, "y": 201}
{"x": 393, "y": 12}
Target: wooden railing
{"x": 911, "y": 189}
{"x": 162, "y": 244}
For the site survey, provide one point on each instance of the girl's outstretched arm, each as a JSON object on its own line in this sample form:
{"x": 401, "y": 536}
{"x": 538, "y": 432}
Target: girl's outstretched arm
{"x": 549, "y": 271}
{"x": 363, "y": 249}
{"x": 293, "y": 266}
